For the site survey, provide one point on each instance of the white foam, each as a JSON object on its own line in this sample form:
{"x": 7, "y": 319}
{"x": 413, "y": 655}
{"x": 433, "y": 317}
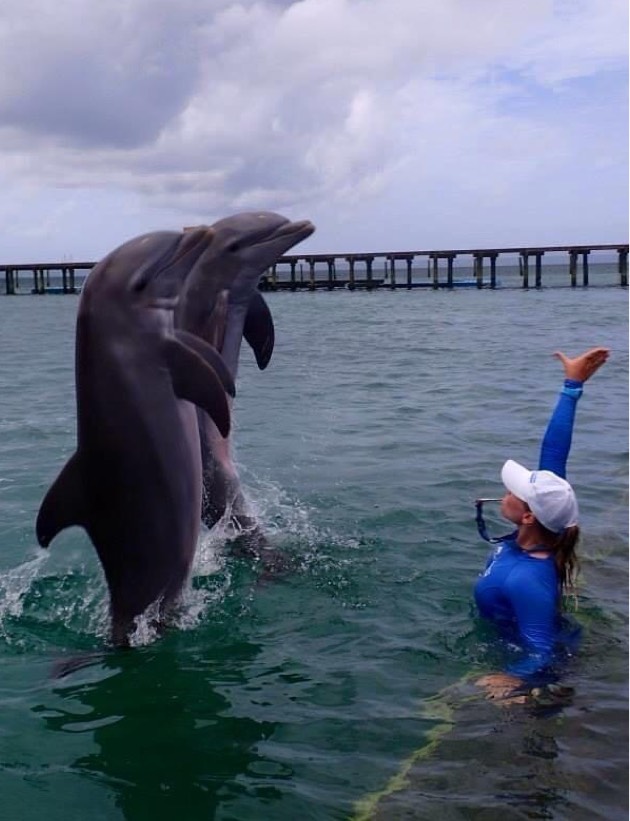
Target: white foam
{"x": 15, "y": 584}
{"x": 81, "y": 598}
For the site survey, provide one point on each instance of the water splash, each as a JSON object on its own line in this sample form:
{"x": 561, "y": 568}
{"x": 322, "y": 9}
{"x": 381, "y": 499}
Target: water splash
{"x": 15, "y": 585}
{"x": 71, "y": 605}
{"x": 209, "y": 557}
{"x": 147, "y": 626}
{"x": 39, "y": 608}
{"x": 294, "y": 525}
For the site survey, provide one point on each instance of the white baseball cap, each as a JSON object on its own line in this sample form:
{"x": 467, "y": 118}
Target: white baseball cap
{"x": 550, "y": 498}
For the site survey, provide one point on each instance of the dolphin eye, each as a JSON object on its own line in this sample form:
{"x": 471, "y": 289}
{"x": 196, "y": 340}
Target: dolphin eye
{"x": 233, "y": 247}
{"x": 139, "y": 285}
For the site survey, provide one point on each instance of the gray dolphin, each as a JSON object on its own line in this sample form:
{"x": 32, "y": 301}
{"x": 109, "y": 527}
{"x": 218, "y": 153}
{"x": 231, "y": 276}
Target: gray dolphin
{"x": 134, "y": 482}
{"x": 220, "y": 303}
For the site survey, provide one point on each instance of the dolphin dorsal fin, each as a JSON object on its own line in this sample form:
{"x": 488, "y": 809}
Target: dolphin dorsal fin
{"x": 195, "y": 381}
{"x": 64, "y": 505}
{"x": 258, "y": 330}
{"x": 211, "y": 356}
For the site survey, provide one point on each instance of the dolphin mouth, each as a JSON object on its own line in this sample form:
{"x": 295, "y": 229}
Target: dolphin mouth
{"x": 291, "y": 232}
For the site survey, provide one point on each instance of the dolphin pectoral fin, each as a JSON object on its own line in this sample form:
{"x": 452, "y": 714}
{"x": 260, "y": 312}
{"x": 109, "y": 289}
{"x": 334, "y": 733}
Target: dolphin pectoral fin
{"x": 211, "y": 356}
{"x": 63, "y": 505}
{"x": 195, "y": 381}
{"x": 258, "y": 330}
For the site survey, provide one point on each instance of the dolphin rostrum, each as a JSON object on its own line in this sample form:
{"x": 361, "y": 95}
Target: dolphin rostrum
{"x": 220, "y": 303}
{"x": 134, "y": 482}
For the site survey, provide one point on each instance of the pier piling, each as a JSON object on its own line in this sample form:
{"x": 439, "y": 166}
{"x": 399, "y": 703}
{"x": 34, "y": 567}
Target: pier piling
{"x": 478, "y": 269}
{"x": 573, "y": 256}
{"x": 525, "y": 268}
{"x": 436, "y": 280}
{"x": 585, "y": 268}
{"x": 623, "y": 267}
{"x": 350, "y": 261}
{"x": 331, "y": 273}
{"x": 392, "y": 272}
{"x": 370, "y": 282}
{"x": 538, "y": 255}
{"x": 9, "y": 281}
{"x": 493, "y": 270}
{"x": 449, "y": 270}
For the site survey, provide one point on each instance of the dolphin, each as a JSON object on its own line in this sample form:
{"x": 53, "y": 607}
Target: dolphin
{"x": 220, "y": 304}
{"x": 134, "y": 482}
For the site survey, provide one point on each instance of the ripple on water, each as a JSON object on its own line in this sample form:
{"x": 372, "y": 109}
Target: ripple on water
{"x": 343, "y": 683}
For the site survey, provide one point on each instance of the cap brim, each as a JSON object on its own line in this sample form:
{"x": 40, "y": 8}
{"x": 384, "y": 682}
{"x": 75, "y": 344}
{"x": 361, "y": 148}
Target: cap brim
{"x": 517, "y": 479}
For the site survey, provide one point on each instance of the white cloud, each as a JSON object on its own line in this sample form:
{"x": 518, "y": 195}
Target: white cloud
{"x": 320, "y": 106}
{"x": 584, "y": 37}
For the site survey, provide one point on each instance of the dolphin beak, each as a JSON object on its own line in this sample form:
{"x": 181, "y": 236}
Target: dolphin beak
{"x": 285, "y": 237}
{"x": 293, "y": 232}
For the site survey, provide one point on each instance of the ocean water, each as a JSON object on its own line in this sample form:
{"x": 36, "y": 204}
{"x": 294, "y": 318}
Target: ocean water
{"x": 342, "y": 690}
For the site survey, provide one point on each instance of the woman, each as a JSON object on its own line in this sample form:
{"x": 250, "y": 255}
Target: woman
{"x": 521, "y": 588}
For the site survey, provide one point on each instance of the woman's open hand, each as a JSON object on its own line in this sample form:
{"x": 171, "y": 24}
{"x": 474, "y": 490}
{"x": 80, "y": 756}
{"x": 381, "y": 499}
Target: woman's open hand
{"x": 584, "y": 366}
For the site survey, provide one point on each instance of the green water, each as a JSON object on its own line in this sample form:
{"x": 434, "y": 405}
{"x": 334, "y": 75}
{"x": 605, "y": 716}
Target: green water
{"x": 339, "y": 691}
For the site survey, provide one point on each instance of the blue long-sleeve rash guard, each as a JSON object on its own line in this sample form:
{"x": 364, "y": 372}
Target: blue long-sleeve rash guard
{"x": 520, "y": 594}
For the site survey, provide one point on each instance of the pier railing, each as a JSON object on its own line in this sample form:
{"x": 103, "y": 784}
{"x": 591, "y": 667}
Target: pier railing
{"x": 370, "y": 271}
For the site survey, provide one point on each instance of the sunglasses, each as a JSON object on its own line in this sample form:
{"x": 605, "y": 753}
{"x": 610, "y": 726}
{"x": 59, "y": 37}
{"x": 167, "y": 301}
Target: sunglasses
{"x": 481, "y": 524}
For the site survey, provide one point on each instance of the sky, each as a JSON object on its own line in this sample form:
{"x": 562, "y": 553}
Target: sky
{"x": 393, "y": 125}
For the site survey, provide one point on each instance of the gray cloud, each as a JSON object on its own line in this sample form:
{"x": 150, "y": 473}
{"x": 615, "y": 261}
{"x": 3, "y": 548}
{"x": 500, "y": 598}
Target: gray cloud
{"x": 104, "y": 75}
{"x": 319, "y": 106}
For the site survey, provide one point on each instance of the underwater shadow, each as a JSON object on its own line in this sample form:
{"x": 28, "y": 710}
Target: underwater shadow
{"x": 169, "y": 743}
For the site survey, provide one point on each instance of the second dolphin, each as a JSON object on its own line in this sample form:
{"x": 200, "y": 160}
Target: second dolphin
{"x": 220, "y": 303}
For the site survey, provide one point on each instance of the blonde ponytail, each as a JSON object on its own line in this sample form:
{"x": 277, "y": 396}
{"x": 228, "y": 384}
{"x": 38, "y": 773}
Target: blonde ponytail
{"x": 565, "y": 557}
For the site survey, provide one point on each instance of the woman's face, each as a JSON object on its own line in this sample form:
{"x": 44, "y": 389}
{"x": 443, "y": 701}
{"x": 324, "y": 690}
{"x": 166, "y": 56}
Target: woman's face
{"x": 513, "y": 509}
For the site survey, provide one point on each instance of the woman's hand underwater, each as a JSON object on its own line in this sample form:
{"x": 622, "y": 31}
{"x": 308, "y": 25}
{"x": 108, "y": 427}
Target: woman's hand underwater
{"x": 501, "y": 687}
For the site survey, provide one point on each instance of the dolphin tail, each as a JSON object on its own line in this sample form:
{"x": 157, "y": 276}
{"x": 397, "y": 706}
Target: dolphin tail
{"x": 195, "y": 381}
{"x": 64, "y": 505}
{"x": 258, "y": 330}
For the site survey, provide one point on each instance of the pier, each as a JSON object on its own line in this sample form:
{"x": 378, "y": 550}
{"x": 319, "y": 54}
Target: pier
{"x": 372, "y": 271}
{"x": 436, "y": 269}
{"x": 64, "y": 275}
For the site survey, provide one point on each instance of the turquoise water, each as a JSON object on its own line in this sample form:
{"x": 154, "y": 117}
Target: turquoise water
{"x": 339, "y": 691}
